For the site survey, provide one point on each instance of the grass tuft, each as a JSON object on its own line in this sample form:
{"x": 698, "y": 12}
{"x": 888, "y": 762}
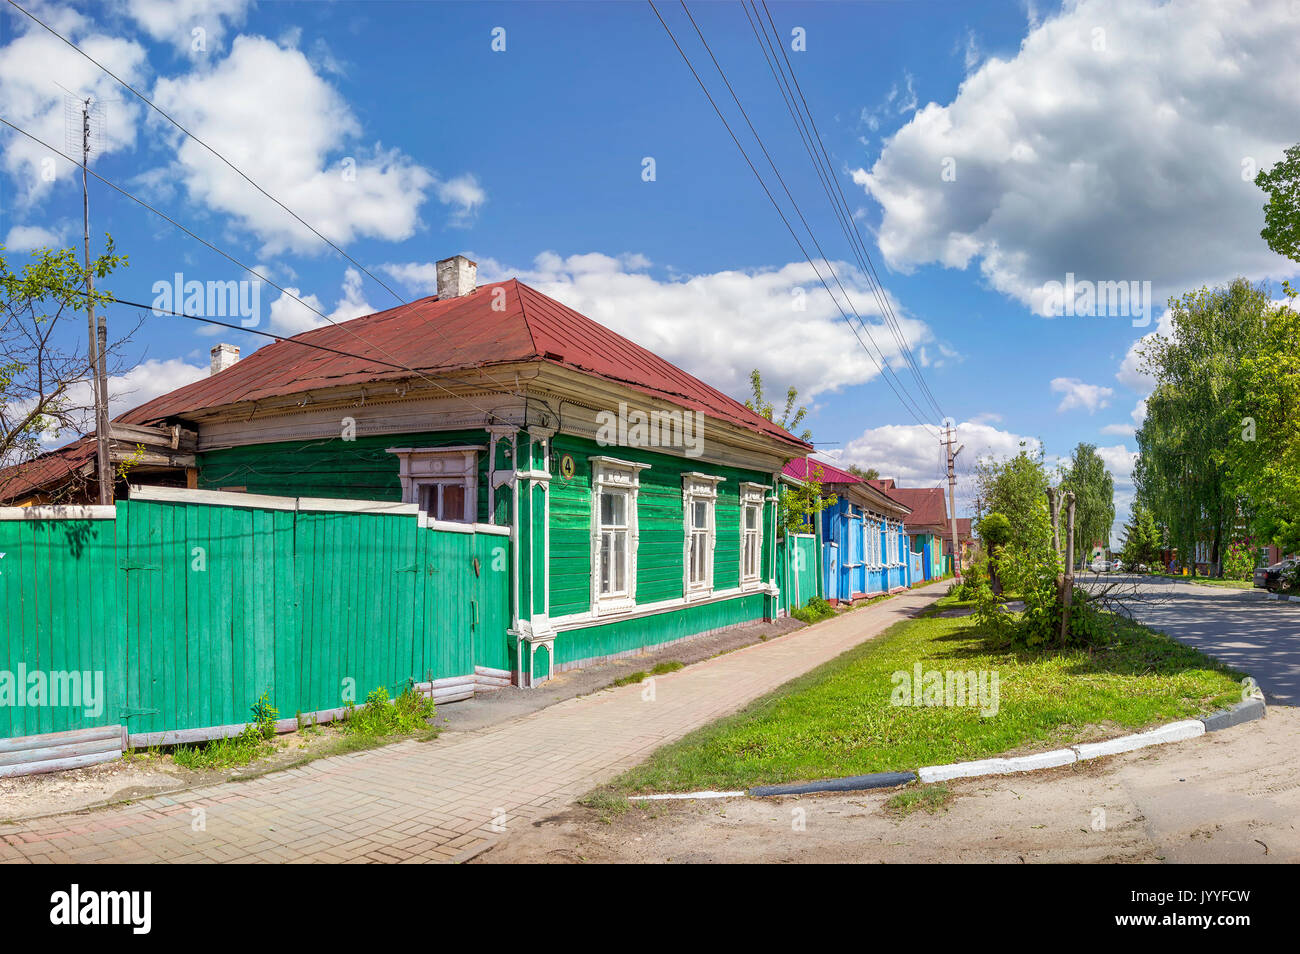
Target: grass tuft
{"x": 927, "y": 798}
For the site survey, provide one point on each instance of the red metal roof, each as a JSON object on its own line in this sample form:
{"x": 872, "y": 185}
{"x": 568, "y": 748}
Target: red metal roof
{"x": 501, "y": 323}
{"x": 929, "y": 506}
{"x": 46, "y": 470}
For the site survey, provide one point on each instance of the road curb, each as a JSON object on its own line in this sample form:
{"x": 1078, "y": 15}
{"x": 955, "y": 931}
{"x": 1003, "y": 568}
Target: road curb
{"x": 851, "y": 783}
{"x": 1248, "y": 710}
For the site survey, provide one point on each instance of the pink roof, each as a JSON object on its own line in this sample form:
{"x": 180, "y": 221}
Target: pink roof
{"x": 800, "y": 467}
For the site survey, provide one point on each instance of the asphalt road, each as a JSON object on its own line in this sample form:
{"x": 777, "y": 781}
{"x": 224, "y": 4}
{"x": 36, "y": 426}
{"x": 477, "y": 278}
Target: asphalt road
{"x": 1243, "y": 628}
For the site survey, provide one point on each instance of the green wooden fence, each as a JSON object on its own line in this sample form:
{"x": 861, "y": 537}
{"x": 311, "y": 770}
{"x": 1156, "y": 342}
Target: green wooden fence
{"x": 191, "y": 611}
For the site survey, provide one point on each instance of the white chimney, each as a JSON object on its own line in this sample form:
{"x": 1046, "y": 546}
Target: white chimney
{"x": 223, "y": 356}
{"x": 457, "y": 276}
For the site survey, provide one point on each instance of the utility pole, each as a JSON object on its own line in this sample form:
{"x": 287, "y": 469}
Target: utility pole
{"x": 952, "y": 497}
{"x": 97, "y": 330}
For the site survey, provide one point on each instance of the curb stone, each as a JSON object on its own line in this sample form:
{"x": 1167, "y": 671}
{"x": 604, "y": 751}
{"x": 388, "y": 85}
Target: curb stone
{"x": 1245, "y": 711}
{"x": 852, "y": 783}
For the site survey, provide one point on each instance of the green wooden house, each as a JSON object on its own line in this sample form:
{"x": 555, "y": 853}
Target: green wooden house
{"x": 639, "y": 501}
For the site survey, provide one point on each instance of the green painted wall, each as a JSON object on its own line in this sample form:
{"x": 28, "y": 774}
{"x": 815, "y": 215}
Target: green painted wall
{"x": 661, "y": 523}
{"x": 633, "y": 634}
{"x": 361, "y": 469}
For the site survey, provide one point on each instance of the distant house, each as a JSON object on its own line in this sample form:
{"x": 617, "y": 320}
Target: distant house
{"x": 864, "y": 547}
{"x": 965, "y": 540}
{"x": 640, "y": 502}
{"x": 926, "y": 525}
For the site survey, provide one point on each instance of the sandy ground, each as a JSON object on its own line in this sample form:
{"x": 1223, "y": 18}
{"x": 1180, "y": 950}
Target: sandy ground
{"x": 1233, "y": 796}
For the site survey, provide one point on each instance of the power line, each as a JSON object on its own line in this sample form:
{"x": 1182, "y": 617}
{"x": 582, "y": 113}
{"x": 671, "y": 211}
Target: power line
{"x": 807, "y": 132}
{"x": 775, "y": 204}
{"x": 148, "y": 102}
{"x": 883, "y": 363}
{"x": 253, "y": 271}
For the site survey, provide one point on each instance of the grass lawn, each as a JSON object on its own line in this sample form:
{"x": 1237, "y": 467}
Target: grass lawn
{"x": 1208, "y": 581}
{"x": 837, "y": 720}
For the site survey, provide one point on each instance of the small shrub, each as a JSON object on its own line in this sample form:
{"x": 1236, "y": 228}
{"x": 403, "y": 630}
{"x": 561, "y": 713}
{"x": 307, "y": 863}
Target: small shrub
{"x": 1239, "y": 561}
{"x": 815, "y": 610}
{"x": 409, "y": 712}
{"x": 265, "y": 716}
{"x": 236, "y": 750}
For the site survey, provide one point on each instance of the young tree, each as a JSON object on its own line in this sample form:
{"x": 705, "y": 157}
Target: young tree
{"x": 1094, "y": 495}
{"x": 1141, "y": 544}
{"x": 800, "y": 505}
{"x": 1017, "y": 489}
{"x": 44, "y": 371}
{"x": 790, "y": 417}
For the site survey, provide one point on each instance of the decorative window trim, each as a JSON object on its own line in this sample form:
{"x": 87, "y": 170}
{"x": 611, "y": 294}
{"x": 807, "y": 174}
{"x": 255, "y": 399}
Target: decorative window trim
{"x": 614, "y": 474}
{"x": 696, "y": 487}
{"x": 752, "y": 495}
{"x": 424, "y": 466}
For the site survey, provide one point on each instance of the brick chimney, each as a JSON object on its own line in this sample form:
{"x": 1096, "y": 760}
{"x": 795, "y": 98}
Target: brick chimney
{"x": 223, "y": 356}
{"x": 457, "y": 276}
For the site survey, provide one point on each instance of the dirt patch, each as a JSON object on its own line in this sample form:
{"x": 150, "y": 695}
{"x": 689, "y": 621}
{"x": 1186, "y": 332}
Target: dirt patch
{"x": 1227, "y": 797}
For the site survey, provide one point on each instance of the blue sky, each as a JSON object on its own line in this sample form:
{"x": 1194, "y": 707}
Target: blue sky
{"x": 1109, "y": 140}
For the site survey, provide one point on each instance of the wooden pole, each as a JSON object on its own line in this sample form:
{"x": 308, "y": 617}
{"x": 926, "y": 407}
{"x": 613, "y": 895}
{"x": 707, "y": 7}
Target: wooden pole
{"x": 97, "y": 331}
{"x": 1068, "y": 594}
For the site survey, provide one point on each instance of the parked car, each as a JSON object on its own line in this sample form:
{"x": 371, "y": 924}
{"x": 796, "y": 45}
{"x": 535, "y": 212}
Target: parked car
{"x": 1270, "y": 577}
{"x": 1117, "y": 566}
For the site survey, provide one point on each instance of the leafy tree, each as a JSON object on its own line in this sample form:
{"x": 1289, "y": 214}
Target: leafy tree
{"x": 1094, "y": 496}
{"x": 790, "y": 417}
{"x": 1282, "y": 213}
{"x": 1264, "y": 460}
{"x": 1193, "y": 430}
{"x": 1017, "y": 489}
{"x": 995, "y": 532}
{"x": 864, "y": 473}
{"x": 42, "y": 356}
{"x": 1141, "y": 543}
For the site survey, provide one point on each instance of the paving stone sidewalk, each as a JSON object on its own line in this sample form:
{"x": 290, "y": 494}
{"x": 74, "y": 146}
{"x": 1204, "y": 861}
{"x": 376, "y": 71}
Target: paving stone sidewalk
{"x": 447, "y": 799}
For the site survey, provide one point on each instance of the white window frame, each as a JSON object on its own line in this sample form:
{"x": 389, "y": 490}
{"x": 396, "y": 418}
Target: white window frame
{"x": 752, "y": 495}
{"x": 611, "y": 474}
{"x": 420, "y": 467}
{"x": 699, "y": 488}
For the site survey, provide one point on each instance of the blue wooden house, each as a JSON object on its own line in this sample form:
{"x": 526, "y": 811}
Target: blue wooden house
{"x": 864, "y": 546}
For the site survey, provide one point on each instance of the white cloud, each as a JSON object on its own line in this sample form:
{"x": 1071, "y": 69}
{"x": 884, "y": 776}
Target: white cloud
{"x": 717, "y": 326}
{"x": 1074, "y": 158}
{"x": 174, "y": 21}
{"x": 33, "y": 67}
{"x": 300, "y": 145}
{"x": 911, "y": 455}
{"x": 142, "y": 383}
{"x": 290, "y": 317}
{"x": 1078, "y": 394}
{"x": 25, "y": 238}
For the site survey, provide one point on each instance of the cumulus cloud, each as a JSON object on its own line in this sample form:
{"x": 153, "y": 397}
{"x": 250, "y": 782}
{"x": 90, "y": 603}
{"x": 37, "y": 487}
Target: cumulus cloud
{"x": 290, "y": 317}
{"x": 25, "y": 238}
{"x": 174, "y": 21}
{"x": 33, "y": 67}
{"x": 1078, "y": 394}
{"x": 1120, "y": 129}
{"x": 300, "y": 143}
{"x": 911, "y": 455}
{"x": 144, "y": 382}
{"x": 717, "y": 326}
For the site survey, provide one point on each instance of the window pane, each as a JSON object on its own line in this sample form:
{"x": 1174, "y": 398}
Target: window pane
{"x": 620, "y": 560}
{"x": 606, "y": 545}
{"x": 613, "y": 508}
{"x": 751, "y": 518}
{"x": 453, "y": 502}
{"x": 700, "y": 515}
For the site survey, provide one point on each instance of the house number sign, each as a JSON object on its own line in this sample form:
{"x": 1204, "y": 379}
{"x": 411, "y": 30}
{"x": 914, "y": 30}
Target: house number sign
{"x": 566, "y": 466}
